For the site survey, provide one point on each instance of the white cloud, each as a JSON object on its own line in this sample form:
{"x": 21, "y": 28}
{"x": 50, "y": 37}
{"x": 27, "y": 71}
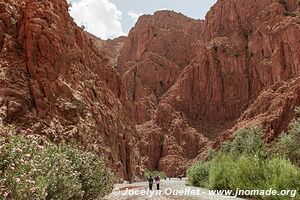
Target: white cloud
{"x": 100, "y": 17}
{"x": 162, "y": 9}
{"x": 134, "y": 15}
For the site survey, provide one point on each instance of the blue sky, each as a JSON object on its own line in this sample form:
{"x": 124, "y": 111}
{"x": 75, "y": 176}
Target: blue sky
{"x": 113, "y": 18}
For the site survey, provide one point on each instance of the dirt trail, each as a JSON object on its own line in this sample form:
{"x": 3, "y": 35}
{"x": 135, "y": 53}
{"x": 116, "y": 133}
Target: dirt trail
{"x": 121, "y": 192}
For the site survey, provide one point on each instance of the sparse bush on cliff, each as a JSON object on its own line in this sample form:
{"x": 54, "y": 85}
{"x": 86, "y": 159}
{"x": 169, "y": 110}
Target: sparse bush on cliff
{"x": 282, "y": 1}
{"x": 69, "y": 6}
{"x": 33, "y": 168}
{"x": 198, "y": 174}
{"x": 288, "y": 13}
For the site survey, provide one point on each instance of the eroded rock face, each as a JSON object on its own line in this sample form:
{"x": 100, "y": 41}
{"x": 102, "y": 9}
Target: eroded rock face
{"x": 155, "y": 52}
{"x": 242, "y": 48}
{"x": 15, "y": 98}
{"x": 246, "y": 47}
{"x": 273, "y": 109}
{"x": 56, "y": 81}
{"x": 159, "y": 98}
{"x": 167, "y": 142}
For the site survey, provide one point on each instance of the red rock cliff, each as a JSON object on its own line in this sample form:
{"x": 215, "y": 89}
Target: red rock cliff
{"x": 243, "y": 47}
{"x": 56, "y": 81}
{"x": 155, "y": 52}
{"x": 189, "y": 83}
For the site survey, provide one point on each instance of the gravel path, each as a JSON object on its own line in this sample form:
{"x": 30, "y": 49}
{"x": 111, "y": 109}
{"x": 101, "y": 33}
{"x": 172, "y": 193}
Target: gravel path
{"x": 121, "y": 192}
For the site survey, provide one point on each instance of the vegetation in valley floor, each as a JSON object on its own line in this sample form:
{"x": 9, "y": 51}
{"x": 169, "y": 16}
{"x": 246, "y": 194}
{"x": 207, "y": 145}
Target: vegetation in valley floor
{"x": 247, "y": 163}
{"x": 33, "y": 168}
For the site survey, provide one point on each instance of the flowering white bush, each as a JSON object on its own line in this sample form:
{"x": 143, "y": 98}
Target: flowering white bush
{"x": 33, "y": 168}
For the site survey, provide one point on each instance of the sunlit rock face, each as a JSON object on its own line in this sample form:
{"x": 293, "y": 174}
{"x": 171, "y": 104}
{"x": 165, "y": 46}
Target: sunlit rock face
{"x": 222, "y": 82}
{"x": 56, "y": 81}
{"x": 159, "y": 98}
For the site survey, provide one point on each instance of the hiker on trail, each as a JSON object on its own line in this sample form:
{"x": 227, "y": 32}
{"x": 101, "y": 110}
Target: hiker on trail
{"x": 150, "y": 181}
{"x": 157, "y": 181}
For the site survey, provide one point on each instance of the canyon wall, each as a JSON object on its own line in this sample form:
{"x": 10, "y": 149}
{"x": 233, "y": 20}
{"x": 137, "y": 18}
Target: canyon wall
{"x": 153, "y": 55}
{"x": 159, "y": 98}
{"x": 235, "y": 57}
{"x": 56, "y": 81}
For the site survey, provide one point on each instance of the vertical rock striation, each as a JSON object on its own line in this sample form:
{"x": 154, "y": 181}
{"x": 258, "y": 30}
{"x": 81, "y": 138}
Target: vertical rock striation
{"x": 159, "y": 98}
{"x": 56, "y": 81}
{"x": 241, "y": 49}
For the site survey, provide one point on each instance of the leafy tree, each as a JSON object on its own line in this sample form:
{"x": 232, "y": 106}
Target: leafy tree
{"x": 198, "y": 174}
{"x": 288, "y": 144}
{"x": 34, "y": 168}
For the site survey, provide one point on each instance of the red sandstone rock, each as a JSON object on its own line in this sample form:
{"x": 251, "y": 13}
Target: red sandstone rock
{"x": 56, "y": 81}
{"x": 273, "y": 109}
{"x": 187, "y": 83}
{"x": 243, "y": 47}
{"x": 154, "y": 53}
{"x": 168, "y": 143}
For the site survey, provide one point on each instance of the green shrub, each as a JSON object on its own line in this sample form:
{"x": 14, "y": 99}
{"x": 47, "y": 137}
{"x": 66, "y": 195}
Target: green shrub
{"x": 281, "y": 174}
{"x": 33, "y": 168}
{"x": 198, "y": 174}
{"x": 249, "y": 141}
{"x": 93, "y": 175}
{"x": 226, "y": 147}
{"x": 147, "y": 174}
{"x": 54, "y": 175}
{"x": 251, "y": 173}
{"x": 288, "y": 144}
{"x": 230, "y": 172}
{"x": 211, "y": 154}
{"x": 244, "y": 164}
{"x": 221, "y": 169}
{"x": 33, "y": 171}
{"x": 248, "y": 173}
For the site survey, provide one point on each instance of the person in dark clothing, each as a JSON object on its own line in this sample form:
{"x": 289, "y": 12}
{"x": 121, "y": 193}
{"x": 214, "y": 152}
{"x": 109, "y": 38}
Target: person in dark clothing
{"x": 157, "y": 181}
{"x": 150, "y": 181}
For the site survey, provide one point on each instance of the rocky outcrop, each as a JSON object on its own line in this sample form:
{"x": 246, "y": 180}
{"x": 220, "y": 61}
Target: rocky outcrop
{"x": 246, "y": 46}
{"x": 15, "y": 98}
{"x": 273, "y": 109}
{"x": 168, "y": 143}
{"x": 113, "y": 50}
{"x": 241, "y": 49}
{"x": 155, "y": 52}
{"x": 56, "y": 81}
